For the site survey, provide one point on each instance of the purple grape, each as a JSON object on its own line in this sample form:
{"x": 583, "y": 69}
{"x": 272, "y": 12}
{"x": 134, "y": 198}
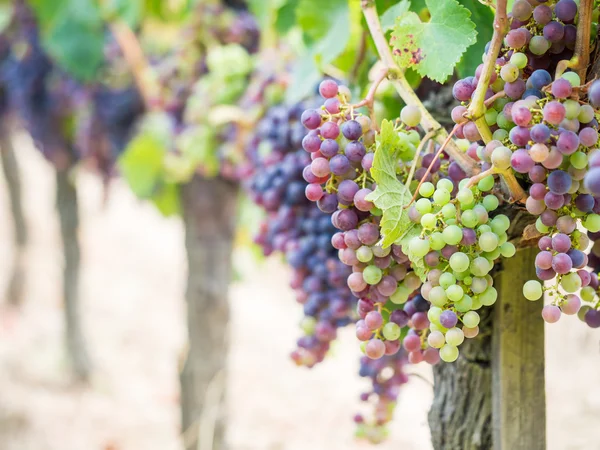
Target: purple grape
{"x": 543, "y": 260}
{"x": 592, "y": 318}
{"x": 561, "y": 243}
{"x": 588, "y": 137}
{"x": 539, "y": 78}
{"x": 329, "y": 148}
{"x": 339, "y": 165}
{"x": 355, "y": 151}
{"x": 448, "y": 319}
{"x": 328, "y": 203}
{"x": 537, "y": 174}
{"x": 428, "y": 159}
{"x": 545, "y": 274}
{"x": 311, "y": 119}
{"x": 469, "y": 237}
{"x": 346, "y": 191}
{"x": 570, "y": 36}
{"x": 455, "y": 172}
{"x": 594, "y": 94}
{"x": 559, "y": 182}
{"x": 549, "y": 218}
{"x": 515, "y": 89}
{"x": 554, "y": 32}
{"x": 561, "y": 88}
{"x": 332, "y": 105}
{"x": 566, "y": 10}
{"x": 585, "y": 202}
{"x": 540, "y": 133}
{"x": 561, "y": 263}
{"x": 352, "y": 130}
{"x": 554, "y": 201}
{"x": 519, "y": 136}
{"x": 535, "y": 207}
{"x": 516, "y": 38}
{"x": 311, "y": 143}
{"x": 537, "y": 191}
{"x": 592, "y": 181}
{"x": 554, "y": 112}
{"x": 521, "y": 161}
{"x": 566, "y": 224}
{"x": 545, "y": 243}
{"x": 463, "y": 89}
{"x": 400, "y": 318}
{"x": 368, "y": 233}
{"x": 542, "y": 14}
{"x": 577, "y": 257}
{"x": 360, "y": 201}
{"x": 328, "y": 88}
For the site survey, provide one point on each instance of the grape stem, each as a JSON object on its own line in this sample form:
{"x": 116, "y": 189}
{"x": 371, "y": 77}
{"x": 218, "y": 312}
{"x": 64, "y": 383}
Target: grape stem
{"x": 480, "y": 176}
{"x": 581, "y": 56}
{"x": 413, "y": 167}
{"x": 370, "y": 98}
{"x": 435, "y": 158}
{"x": 137, "y": 62}
{"x": 490, "y": 101}
{"x": 397, "y": 78}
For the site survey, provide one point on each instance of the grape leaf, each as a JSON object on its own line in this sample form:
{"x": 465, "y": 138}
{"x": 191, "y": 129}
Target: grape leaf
{"x": 435, "y": 47}
{"x": 390, "y": 195}
{"x": 142, "y": 163}
{"x": 483, "y": 17}
{"x": 388, "y": 18}
{"x": 166, "y": 199}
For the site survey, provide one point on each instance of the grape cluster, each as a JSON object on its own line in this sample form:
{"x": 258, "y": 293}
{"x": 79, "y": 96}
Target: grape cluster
{"x": 298, "y": 229}
{"x": 547, "y": 135}
{"x": 387, "y": 375}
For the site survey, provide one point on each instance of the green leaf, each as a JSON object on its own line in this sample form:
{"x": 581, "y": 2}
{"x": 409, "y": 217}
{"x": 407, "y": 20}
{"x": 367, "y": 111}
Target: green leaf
{"x": 483, "y": 17}
{"x": 326, "y": 25}
{"x": 286, "y": 17}
{"x": 166, "y": 199}
{"x": 435, "y": 47}
{"x": 388, "y": 18}
{"x": 73, "y": 35}
{"x": 142, "y": 163}
{"x": 130, "y": 11}
{"x": 391, "y": 196}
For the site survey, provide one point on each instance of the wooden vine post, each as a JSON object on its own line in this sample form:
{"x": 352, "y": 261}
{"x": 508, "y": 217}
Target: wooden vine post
{"x": 518, "y": 385}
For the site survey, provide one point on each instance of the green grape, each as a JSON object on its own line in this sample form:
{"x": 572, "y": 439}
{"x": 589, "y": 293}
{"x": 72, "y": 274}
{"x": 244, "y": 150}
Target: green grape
{"x": 427, "y": 189}
{"x": 449, "y": 353}
{"x": 433, "y": 327}
{"x": 490, "y": 116}
{"x": 468, "y": 280}
{"x": 391, "y": 331}
{"x": 493, "y": 255}
{"x": 372, "y": 275}
{"x": 462, "y": 184}
{"x": 434, "y": 313}
{"x": 509, "y": 73}
{"x": 363, "y": 347}
{"x": 428, "y": 221}
{"x": 538, "y": 45}
{"x": 308, "y": 325}
{"x": 449, "y": 211}
{"x": 476, "y": 303}
{"x": 413, "y": 137}
{"x": 586, "y": 114}
{"x": 419, "y": 247}
{"x": 459, "y": 262}
{"x": 401, "y": 295}
{"x": 485, "y": 228}
{"x": 410, "y": 115}
{"x": 500, "y": 134}
{"x": 423, "y": 205}
{"x": 490, "y": 202}
{"x": 437, "y": 296}
{"x": 436, "y": 240}
{"x": 460, "y": 276}
{"x": 504, "y": 123}
{"x": 572, "y": 78}
{"x": 471, "y": 319}
{"x": 571, "y": 282}
{"x": 376, "y": 212}
{"x": 465, "y": 196}
{"x": 480, "y": 266}
{"x": 572, "y": 109}
{"x": 464, "y": 304}
{"x": 454, "y": 292}
{"x": 441, "y": 197}
{"x": 502, "y": 238}
{"x": 455, "y": 336}
{"x": 436, "y": 339}
{"x": 508, "y": 250}
{"x": 532, "y": 290}
{"x": 469, "y": 218}
{"x": 587, "y": 294}
{"x": 579, "y": 160}
{"x": 445, "y": 184}
{"x": 592, "y": 223}
{"x": 500, "y": 224}
{"x": 486, "y": 184}
{"x": 519, "y": 59}
{"x": 463, "y": 144}
{"x": 501, "y": 157}
{"x": 488, "y": 241}
{"x": 364, "y": 254}
{"x": 489, "y": 296}
{"x": 447, "y": 280}
{"x": 541, "y": 227}
{"x": 452, "y": 234}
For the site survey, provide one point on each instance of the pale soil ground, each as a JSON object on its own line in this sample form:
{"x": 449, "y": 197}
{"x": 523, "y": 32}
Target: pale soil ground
{"x": 131, "y": 295}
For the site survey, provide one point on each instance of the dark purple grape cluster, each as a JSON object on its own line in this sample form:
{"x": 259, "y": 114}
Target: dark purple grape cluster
{"x": 386, "y": 375}
{"x": 547, "y": 136}
{"x": 298, "y": 229}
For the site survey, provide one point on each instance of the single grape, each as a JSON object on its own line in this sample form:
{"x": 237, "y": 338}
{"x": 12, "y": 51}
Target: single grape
{"x": 410, "y": 115}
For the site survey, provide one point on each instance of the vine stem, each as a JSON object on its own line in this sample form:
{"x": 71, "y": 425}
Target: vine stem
{"x": 137, "y": 62}
{"x": 490, "y": 101}
{"x": 480, "y": 176}
{"x": 413, "y": 167}
{"x": 581, "y": 56}
{"x": 397, "y": 78}
{"x": 435, "y": 157}
{"x": 370, "y": 98}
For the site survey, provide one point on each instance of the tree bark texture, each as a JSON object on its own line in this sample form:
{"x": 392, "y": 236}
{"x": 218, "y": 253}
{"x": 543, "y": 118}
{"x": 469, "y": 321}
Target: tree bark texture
{"x": 209, "y": 212}
{"x": 12, "y": 176}
{"x": 462, "y": 413}
{"x": 67, "y": 206}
